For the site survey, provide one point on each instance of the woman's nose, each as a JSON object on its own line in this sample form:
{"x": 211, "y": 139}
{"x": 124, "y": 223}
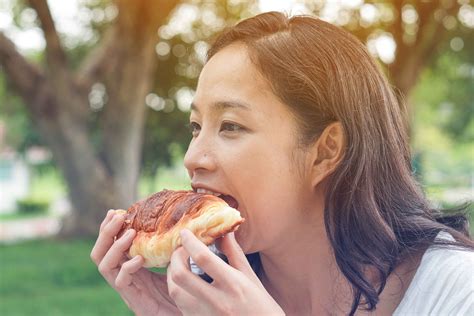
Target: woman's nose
{"x": 199, "y": 156}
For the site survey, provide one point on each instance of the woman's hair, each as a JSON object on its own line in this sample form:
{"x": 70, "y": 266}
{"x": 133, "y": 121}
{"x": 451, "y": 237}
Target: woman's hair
{"x": 375, "y": 212}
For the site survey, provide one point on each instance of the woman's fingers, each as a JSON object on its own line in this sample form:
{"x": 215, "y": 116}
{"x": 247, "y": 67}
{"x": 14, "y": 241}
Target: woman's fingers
{"x": 107, "y": 219}
{"x": 231, "y": 248}
{"x": 181, "y": 297}
{"x": 112, "y": 260}
{"x": 189, "y": 292}
{"x": 106, "y": 237}
{"x": 128, "y": 268}
{"x": 179, "y": 274}
{"x": 215, "y": 267}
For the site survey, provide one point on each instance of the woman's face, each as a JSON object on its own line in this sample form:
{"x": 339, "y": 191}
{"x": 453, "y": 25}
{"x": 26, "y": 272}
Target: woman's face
{"x": 245, "y": 145}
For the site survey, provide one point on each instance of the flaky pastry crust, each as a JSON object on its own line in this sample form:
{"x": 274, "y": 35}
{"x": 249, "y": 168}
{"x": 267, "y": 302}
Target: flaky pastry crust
{"x": 159, "y": 219}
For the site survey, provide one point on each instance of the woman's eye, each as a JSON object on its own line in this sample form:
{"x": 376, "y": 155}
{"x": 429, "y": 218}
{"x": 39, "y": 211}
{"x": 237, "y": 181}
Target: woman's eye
{"x": 194, "y": 128}
{"x": 230, "y": 127}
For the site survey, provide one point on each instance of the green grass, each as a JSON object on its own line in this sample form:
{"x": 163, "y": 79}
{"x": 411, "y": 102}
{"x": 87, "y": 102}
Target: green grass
{"x": 47, "y": 277}
{"x": 20, "y": 215}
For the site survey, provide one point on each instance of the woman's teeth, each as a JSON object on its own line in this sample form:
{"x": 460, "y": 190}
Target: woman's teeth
{"x": 204, "y": 191}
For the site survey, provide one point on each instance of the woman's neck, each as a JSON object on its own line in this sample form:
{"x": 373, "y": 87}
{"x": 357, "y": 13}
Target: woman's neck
{"x": 302, "y": 274}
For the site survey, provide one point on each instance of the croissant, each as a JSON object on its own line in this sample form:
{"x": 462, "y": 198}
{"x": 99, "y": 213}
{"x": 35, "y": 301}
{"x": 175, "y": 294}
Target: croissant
{"x": 159, "y": 219}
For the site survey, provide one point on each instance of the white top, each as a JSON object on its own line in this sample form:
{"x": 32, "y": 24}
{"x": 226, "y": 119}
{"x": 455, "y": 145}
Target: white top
{"x": 443, "y": 284}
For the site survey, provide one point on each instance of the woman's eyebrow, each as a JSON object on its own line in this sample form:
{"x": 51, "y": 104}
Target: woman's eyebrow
{"x": 223, "y": 105}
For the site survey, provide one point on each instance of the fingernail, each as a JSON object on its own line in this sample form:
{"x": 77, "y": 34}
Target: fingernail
{"x": 129, "y": 232}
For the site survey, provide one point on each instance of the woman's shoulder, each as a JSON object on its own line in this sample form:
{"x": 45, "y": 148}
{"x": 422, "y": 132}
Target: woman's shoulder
{"x": 443, "y": 283}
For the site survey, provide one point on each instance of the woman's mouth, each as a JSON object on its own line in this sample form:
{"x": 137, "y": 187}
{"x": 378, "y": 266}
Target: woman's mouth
{"x": 227, "y": 198}
{"x": 230, "y": 200}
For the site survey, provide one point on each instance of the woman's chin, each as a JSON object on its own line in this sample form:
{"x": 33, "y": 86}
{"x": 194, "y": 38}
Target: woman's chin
{"x": 243, "y": 241}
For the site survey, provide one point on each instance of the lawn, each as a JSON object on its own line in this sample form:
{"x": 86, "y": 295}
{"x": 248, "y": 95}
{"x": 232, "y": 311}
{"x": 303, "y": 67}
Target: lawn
{"x": 46, "y": 277}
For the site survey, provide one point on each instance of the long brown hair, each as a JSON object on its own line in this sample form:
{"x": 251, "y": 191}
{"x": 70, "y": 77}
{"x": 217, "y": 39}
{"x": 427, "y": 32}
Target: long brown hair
{"x": 375, "y": 212}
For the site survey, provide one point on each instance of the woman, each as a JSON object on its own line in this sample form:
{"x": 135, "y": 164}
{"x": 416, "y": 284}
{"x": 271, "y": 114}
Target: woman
{"x": 294, "y": 120}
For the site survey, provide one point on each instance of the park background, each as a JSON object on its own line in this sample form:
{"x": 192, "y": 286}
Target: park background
{"x": 94, "y": 101}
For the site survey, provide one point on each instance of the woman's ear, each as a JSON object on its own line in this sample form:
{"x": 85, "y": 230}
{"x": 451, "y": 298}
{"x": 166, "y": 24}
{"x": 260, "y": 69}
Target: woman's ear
{"x": 327, "y": 152}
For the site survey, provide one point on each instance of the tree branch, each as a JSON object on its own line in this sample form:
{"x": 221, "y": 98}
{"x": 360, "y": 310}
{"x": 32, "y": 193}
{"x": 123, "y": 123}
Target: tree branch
{"x": 411, "y": 59}
{"x": 54, "y": 52}
{"x": 21, "y": 73}
{"x": 99, "y": 61}
{"x": 436, "y": 32}
{"x": 105, "y": 57}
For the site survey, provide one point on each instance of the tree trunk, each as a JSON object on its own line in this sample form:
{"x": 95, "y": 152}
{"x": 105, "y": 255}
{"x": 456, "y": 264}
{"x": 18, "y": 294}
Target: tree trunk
{"x": 57, "y": 100}
{"x": 413, "y": 57}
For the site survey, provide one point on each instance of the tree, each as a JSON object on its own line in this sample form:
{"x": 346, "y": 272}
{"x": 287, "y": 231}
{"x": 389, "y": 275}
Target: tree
{"x": 419, "y": 30}
{"x": 58, "y": 99}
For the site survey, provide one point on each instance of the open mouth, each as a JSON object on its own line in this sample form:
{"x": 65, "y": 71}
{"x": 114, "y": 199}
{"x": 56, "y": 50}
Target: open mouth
{"x": 227, "y": 198}
{"x": 230, "y": 200}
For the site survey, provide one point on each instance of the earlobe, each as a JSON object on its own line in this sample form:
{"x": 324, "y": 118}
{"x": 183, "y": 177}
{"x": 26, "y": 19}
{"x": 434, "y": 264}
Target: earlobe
{"x": 327, "y": 152}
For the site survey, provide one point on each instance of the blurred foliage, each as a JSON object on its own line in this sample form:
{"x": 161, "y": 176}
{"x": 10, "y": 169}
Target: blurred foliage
{"x": 32, "y": 206}
{"x": 20, "y": 134}
{"x": 452, "y": 96}
{"x": 181, "y": 53}
{"x": 443, "y": 119}
{"x": 166, "y": 140}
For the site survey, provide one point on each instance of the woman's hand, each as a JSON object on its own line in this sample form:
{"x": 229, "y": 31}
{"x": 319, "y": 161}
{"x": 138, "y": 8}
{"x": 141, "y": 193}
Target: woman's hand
{"x": 236, "y": 290}
{"x": 144, "y": 292}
